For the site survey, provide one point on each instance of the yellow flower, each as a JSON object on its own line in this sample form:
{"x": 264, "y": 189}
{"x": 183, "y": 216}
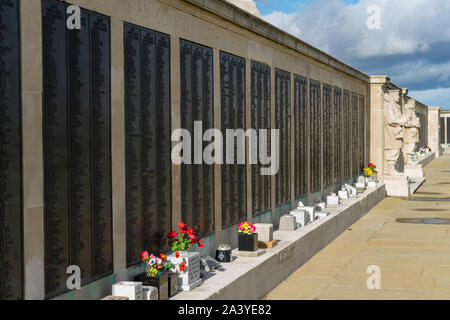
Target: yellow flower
{"x": 368, "y": 171}
{"x": 245, "y": 226}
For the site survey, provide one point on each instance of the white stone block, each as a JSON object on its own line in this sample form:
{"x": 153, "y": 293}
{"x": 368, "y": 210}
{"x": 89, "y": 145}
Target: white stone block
{"x": 190, "y": 277}
{"x": 301, "y": 217}
{"x": 351, "y": 190}
{"x": 149, "y": 293}
{"x": 130, "y": 289}
{"x": 414, "y": 171}
{"x": 264, "y": 231}
{"x": 320, "y": 205}
{"x": 361, "y": 179}
{"x": 360, "y": 186}
{"x": 311, "y": 211}
{"x": 343, "y": 194}
{"x": 322, "y": 214}
{"x": 287, "y": 223}
{"x": 371, "y": 184}
{"x": 333, "y": 200}
{"x": 397, "y": 186}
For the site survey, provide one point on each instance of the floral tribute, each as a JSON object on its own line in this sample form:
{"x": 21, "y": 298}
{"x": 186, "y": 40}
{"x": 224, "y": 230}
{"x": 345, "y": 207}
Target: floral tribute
{"x": 155, "y": 266}
{"x": 246, "y": 227}
{"x": 369, "y": 171}
{"x": 183, "y": 239}
{"x": 425, "y": 149}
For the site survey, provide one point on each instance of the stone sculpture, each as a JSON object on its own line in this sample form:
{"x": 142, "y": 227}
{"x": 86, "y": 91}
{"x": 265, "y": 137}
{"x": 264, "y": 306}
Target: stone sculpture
{"x": 411, "y": 131}
{"x": 393, "y": 131}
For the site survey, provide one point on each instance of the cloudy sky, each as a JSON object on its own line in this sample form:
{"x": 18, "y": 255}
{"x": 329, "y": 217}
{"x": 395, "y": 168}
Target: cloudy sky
{"x": 412, "y": 46}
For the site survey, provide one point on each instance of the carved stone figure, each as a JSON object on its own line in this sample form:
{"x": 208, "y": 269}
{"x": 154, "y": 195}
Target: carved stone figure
{"x": 411, "y": 131}
{"x": 393, "y": 131}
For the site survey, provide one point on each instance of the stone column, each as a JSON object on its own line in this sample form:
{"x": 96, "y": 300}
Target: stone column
{"x": 376, "y": 155}
{"x": 434, "y": 113}
{"x": 446, "y": 131}
{"x": 118, "y": 149}
{"x": 33, "y": 168}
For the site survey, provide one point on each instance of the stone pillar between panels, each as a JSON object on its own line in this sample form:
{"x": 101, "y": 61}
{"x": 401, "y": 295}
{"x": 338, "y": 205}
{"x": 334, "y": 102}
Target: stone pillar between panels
{"x": 446, "y": 130}
{"x": 377, "y": 84}
{"x": 176, "y": 124}
{"x": 118, "y": 149}
{"x": 217, "y": 167}
{"x": 433, "y": 129}
{"x": 33, "y": 168}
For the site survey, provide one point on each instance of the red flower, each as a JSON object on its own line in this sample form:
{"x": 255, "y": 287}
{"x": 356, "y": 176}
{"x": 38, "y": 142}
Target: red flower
{"x": 182, "y": 231}
{"x": 200, "y": 243}
{"x": 162, "y": 256}
{"x": 172, "y": 234}
{"x": 192, "y": 236}
{"x": 177, "y": 254}
{"x": 182, "y": 266}
{"x": 182, "y": 225}
{"x": 144, "y": 255}
{"x": 193, "y": 241}
{"x": 190, "y": 231}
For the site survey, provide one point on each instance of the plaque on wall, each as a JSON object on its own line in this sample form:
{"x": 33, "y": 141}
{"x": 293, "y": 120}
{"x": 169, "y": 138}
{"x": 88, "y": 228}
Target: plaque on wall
{"x": 316, "y": 135}
{"x": 260, "y": 119}
{"x": 197, "y": 179}
{"x": 147, "y": 140}
{"x": 448, "y": 130}
{"x": 327, "y": 139}
{"x": 233, "y": 105}
{"x": 347, "y": 135}
{"x": 442, "y": 130}
{"x": 11, "y": 236}
{"x": 77, "y": 148}
{"x": 300, "y": 134}
{"x": 338, "y": 128}
{"x": 361, "y": 133}
{"x": 283, "y": 124}
{"x": 355, "y": 133}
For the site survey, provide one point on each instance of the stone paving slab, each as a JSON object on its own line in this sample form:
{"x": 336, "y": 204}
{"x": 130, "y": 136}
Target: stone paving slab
{"x": 414, "y": 259}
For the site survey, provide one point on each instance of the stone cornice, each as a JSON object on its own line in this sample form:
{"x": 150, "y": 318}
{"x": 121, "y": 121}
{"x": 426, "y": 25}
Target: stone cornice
{"x": 236, "y": 15}
{"x": 379, "y": 79}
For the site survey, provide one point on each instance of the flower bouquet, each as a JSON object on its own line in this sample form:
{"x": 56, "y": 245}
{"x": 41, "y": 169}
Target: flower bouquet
{"x": 370, "y": 172}
{"x": 187, "y": 264}
{"x": 156, "y": 269}
{"x": 247, "y": 239}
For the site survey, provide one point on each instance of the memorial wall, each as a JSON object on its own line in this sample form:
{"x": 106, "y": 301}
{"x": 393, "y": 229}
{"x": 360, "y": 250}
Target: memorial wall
{"x": 11, "y": 229}
{"x": 100, "y": 105}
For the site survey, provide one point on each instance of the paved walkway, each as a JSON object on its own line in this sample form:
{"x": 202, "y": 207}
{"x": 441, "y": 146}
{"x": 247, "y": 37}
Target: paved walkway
{"x": 414, "y": 259}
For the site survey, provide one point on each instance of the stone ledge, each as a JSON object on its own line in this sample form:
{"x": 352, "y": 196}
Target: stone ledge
{"x": 428, "y": 158}
{"x": 253, "y": 278}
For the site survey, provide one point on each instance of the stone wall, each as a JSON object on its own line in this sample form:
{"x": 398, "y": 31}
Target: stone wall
{"x": 222, "y": 28}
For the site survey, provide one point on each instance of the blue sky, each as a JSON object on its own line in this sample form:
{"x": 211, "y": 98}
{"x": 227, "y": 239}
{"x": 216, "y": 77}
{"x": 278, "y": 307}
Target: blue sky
{"x": 412, "y": 46}
{"x": 286, "y": 6}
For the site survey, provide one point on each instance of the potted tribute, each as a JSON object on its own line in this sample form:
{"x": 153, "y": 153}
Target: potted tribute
{"x": 247, "y": 239}
{"x": 156, "y": 268}
{"x": 187, "y": 263}
{"x": 370, "y": 173}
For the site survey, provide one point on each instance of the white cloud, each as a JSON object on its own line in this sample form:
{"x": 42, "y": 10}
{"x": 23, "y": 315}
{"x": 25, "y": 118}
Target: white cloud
{"x": 412, "y": 47}
{"x": 432, "y": 97}
{"x": 407, "y": 26}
